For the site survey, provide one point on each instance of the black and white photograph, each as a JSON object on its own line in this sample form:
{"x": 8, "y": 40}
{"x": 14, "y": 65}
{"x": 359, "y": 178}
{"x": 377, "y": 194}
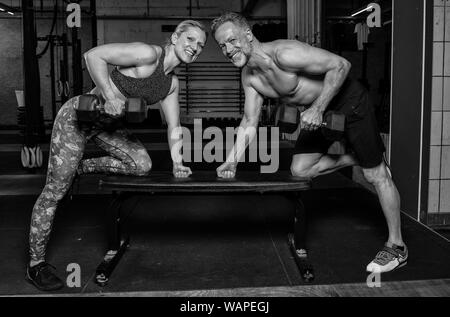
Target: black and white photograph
{"x": 225, "y": 153}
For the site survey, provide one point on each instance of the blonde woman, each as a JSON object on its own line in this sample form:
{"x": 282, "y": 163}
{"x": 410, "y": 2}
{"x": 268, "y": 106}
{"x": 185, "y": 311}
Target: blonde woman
{"x": 142, "y": 70}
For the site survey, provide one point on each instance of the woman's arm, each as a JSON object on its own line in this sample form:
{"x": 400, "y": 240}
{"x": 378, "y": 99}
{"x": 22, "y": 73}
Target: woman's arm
{"x": 171, "y": 109}
{"x": 119, "y": 54}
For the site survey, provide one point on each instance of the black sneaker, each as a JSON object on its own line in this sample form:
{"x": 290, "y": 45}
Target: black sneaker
{"x": 42, "y": 276}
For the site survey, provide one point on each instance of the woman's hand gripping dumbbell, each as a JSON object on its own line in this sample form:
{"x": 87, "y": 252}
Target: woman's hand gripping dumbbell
{"x": 90, "y": 108}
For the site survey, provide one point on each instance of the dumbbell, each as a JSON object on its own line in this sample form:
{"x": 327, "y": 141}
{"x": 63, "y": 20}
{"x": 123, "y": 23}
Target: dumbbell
{"x": 90, "y": 108}
{"x": 288, "y": 119}
{"x": 135, "y": 110}
{"x": 333, "y": 126}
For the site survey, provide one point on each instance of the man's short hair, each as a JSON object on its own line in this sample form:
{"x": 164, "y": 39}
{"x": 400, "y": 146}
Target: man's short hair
{"x": 233, "y": 17}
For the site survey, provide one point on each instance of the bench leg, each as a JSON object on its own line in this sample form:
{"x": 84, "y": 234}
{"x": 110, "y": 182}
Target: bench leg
{"x": 116, "y": 243}
{"x": 297, "y": 241}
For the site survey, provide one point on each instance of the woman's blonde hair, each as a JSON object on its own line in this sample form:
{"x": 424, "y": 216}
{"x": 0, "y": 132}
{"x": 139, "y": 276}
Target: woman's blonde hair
{"x": 184, "y": 25}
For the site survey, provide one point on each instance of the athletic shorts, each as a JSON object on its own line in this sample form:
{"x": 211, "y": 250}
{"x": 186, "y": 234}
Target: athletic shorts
{"x": 361, "y": 130}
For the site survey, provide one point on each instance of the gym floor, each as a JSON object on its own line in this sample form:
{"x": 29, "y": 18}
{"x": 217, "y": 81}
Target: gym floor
{"x": 222, "y": 245}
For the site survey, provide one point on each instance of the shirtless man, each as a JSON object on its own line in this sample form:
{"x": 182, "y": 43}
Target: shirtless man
{"x": 297, "y": 73}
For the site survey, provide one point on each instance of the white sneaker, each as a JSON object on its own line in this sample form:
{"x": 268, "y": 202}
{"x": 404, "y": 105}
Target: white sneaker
{"x": 388, "y": 259}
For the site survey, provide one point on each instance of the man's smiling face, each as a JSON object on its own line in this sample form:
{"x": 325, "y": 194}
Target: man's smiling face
{"x": 235, "y": 43}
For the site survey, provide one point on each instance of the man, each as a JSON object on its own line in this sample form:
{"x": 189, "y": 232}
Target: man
{"x": 297, "y": 73}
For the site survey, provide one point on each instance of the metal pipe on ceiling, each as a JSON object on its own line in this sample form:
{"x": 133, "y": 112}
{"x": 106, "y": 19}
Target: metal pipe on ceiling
{"x": 159, "y": 17}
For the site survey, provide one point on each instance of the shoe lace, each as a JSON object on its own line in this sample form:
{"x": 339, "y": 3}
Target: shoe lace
{"x": 45, "y": 267}
{"x": 384, "y": 256}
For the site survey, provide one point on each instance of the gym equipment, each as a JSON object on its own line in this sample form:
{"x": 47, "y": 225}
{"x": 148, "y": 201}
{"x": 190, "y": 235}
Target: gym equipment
{"x": 90, "y": 109}
{"x": 31, "y": 157}
{"x": 164, "y": 183}
{"x": 333, "y": 126}
{"x": 30, "y": 113}
{"x": 211, "y": 90}
{"x": 77, "y": 65}
{"x": 288, "y": 119}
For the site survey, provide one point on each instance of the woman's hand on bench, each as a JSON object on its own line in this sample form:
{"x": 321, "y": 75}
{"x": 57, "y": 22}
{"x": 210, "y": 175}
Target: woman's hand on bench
{"x": 181, "y": 171}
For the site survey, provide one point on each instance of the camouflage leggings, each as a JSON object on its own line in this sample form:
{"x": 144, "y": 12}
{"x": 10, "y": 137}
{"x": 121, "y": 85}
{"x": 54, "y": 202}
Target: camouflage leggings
{"x": 128, "y": 156}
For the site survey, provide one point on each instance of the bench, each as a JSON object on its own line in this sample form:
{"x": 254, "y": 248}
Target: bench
{"x": 201, "y": 182}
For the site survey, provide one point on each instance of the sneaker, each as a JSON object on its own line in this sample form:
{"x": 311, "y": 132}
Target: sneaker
{"x": 388, "y": 259}
{"x": 42, "y": 276}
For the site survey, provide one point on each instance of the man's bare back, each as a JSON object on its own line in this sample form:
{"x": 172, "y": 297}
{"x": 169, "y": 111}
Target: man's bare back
{"x": 272, "y": 79}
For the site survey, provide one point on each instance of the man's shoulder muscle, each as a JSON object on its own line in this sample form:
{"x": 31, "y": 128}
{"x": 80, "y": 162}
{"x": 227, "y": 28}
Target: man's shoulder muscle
{"x": 286, "y": 50}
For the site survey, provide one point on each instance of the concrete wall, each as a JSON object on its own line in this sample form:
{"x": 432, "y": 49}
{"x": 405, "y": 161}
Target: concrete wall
{"x": 124, "y": 24}
{"x": 11, "y": 71}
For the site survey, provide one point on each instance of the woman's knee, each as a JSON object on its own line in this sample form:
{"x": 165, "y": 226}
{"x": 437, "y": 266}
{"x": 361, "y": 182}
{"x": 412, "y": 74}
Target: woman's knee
{"x": 142, "y": 163}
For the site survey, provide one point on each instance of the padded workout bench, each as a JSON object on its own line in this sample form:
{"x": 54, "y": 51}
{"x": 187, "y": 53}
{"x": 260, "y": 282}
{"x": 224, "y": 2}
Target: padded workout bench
{"x": 200, "y": 182}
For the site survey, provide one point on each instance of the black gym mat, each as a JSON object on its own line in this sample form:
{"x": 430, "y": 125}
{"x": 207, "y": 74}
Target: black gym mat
{"x": 210, "y": 242}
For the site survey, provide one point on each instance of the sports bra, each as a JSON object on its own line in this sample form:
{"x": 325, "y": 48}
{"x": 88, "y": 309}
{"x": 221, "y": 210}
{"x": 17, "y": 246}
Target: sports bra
{"x": 152, "y": 88}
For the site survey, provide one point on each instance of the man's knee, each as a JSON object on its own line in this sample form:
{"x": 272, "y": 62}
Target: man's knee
{"x": 303, "y": 165}
{"x": 302, "y": 171}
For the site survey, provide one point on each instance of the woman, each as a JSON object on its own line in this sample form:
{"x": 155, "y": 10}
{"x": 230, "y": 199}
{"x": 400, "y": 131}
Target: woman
{"x": 142, "y": 70}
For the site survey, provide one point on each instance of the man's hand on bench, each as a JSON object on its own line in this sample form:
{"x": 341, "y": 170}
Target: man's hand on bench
{"x": 226, "y": 170}
{"x": 181, "y": 171}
